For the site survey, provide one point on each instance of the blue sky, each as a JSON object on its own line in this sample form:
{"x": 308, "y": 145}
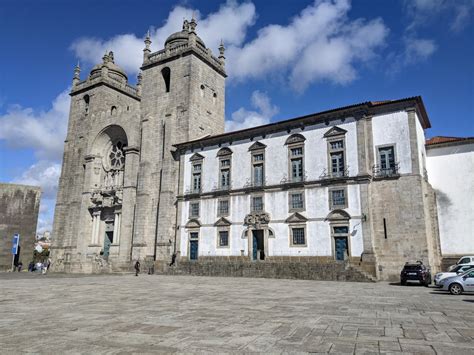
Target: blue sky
{"x": 284, "y": 59}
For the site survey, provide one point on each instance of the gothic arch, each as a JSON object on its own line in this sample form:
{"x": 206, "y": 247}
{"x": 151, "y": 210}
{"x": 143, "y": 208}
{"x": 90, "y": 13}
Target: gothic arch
{"x": 106, "y": 138}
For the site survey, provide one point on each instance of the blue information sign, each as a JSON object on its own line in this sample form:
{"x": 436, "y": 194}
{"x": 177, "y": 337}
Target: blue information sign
{"x": 16, "y": 243}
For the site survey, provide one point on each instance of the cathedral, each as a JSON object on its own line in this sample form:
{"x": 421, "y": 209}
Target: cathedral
{"x": 148, "y": 174}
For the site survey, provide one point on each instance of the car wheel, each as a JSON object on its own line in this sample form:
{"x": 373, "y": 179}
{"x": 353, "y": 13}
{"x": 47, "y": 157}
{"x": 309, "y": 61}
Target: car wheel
{"x": 455, "y": 289}
{"x": 403, "y": 282}
{"x": 428, "y": 282}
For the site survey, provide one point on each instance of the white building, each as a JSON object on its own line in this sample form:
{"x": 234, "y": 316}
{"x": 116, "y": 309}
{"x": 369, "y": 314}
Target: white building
{"x": 346, "y": 184}
{"x": 450, "y": 164}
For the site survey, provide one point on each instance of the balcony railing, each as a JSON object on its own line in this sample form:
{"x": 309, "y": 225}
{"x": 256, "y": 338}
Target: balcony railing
{"x": 334, "y": 174}
{"x": 254, "y": 184}
{"x": 380, "y": 172}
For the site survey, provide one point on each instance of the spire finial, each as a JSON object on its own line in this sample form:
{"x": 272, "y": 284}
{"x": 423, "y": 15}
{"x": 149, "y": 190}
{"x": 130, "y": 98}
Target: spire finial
{"x": 221, "y": 52}
{"x": 147, "y": 40}
{"x": 77, "y": 74}
{"x": 193, "y": 24}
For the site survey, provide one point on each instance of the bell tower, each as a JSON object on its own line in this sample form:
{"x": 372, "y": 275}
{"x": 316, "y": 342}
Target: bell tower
{"x": 183, "y": 96}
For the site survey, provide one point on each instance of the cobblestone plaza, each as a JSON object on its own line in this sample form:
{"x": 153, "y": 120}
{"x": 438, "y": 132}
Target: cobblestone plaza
{"x": 165, "y": 314}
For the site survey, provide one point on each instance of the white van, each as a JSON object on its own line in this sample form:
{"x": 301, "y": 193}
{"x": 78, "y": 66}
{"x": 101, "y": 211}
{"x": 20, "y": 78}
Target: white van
{"x": 465, "y": 260}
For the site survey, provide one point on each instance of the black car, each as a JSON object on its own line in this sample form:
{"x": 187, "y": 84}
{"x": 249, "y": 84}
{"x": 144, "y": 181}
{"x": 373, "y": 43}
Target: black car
{"x": 415, "y": 272}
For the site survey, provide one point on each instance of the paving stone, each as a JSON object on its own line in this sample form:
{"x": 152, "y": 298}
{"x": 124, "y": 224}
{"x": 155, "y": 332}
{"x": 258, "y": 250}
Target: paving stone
{"x": 181, "y": 314}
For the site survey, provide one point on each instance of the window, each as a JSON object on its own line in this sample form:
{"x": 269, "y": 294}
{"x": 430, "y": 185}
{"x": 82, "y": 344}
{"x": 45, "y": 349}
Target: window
{"x": 166, "y": 73}
{"x": 296, "y": 201}
{"x": 197, "y": 177}
{"x": 387, "y": 160}
{"x": 258, "y": 169}
{"x": 337, "y": 164}
{"x": 194, "y": 209}
{"x": 223, "y": 238}
{"x": 223, "y": 208}
{"x": 86, "y": 104}
{"x": 224, "y": 180}
{"x": 296, "y": 164}
{"x": 337, "y": 145}
{"x": 193, "y": 235}
{"x": 338, "y": 198}
{"x": 113, "y": 110}
{"x": 298, "y": 236}
{"x": 257, "y": 204}
{"x": 336, "y": 152}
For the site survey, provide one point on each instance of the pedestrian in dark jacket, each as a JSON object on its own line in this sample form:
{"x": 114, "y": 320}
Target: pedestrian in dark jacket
{"x": 137, "y": 268}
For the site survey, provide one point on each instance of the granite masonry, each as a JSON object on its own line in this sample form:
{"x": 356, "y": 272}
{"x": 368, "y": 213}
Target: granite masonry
{"x": 149, "y": 174}
{"x": 19, "y": 206}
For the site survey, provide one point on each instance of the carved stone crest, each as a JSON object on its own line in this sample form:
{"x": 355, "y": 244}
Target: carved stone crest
{"x": 257, "y": 219}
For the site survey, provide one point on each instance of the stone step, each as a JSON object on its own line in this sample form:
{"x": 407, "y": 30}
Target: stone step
{"x": 334, "y": 271}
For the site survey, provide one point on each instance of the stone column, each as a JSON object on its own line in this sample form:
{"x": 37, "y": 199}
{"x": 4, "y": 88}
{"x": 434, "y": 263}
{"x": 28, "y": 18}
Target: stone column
{"x": 117, "y": 219}
{"x": 96, "y": 227}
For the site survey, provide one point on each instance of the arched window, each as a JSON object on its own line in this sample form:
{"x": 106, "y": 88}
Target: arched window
{"x": 113, "y": 110}
{"x": 86, "y": 104}
{"x": 166, "y": 72}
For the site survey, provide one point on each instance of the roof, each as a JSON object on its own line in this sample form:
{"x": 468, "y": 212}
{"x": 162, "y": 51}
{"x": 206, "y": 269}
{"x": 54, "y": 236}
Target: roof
{"x": 444, "y": 139}
{"x": 356, "y": 110}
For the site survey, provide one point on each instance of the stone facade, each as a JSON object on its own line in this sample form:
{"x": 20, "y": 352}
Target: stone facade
{"x": 148, "y": 173}
{"x": 385, "y": 216}
{"x": 118, "y": 183}
{"x": 19, "y": 206}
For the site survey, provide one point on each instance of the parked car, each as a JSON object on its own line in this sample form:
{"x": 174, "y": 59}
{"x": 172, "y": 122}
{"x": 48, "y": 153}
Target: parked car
{"x": 415, "y": 272}
{"x": 465, "y": 260}
{"x": 458, "y": 270}
{"x": 456, "y": 285}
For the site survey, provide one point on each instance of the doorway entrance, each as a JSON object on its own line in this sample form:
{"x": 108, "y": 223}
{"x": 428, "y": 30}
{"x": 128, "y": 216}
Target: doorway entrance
{"x": 193, "y": 246}
{"x": 258, "y": 245}
{"x": 341, "y": 247}
{"x": 108, "y": 240}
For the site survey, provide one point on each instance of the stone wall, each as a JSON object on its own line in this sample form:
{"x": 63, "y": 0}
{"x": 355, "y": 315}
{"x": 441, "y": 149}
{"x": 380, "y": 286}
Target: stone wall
{"x": 19, "y": 206}
{"x": 298, "y": 269}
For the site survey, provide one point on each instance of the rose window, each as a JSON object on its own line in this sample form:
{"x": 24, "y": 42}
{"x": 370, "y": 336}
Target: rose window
{"x": 116, "y": 156}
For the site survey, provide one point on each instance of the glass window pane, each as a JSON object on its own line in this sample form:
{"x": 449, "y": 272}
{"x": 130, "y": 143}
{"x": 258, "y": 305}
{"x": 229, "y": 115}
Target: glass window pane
{"x": 258, "y": 174}
{"x": 298, "y": 236}
{"x": 297, "y": 201}
{"x": 297, "y": 169}
{"x": 223, "y": 238}
{"x": 258, "y": 157}
{"x": 341, "y": 230}
{"x": 338, "y": 197}
{"x": 257, "y": 203}
{"x": 296, "y": 152}
{"x": 337, "y": 145}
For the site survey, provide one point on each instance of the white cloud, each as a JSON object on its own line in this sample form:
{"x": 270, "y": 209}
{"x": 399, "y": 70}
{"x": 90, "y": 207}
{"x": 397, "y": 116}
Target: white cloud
{"x": 43, "y": 131}
{"x": 43, "y": 173}
{"x": 417, "y": 50}
{"x": 243, "y": 118}
{"x": 321, "y": 43}
{"x": 229, "y": 23}
{"x": 455, "y": 13}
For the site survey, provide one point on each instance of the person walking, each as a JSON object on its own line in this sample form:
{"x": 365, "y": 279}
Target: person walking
{"x": 137, "y": 268}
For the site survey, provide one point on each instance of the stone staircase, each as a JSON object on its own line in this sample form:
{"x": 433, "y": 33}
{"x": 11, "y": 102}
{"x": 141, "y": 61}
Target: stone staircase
{"x": 328, "y": 271}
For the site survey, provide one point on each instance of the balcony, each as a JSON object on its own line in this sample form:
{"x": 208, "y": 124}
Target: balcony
{"x": 386, "y": 172}
{"x": 342, "y": 174}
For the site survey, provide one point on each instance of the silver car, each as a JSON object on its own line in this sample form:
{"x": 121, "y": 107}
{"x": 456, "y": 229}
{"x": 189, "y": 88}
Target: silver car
{"x": 458, "y": 270}
{"x": 456, "y": 285}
